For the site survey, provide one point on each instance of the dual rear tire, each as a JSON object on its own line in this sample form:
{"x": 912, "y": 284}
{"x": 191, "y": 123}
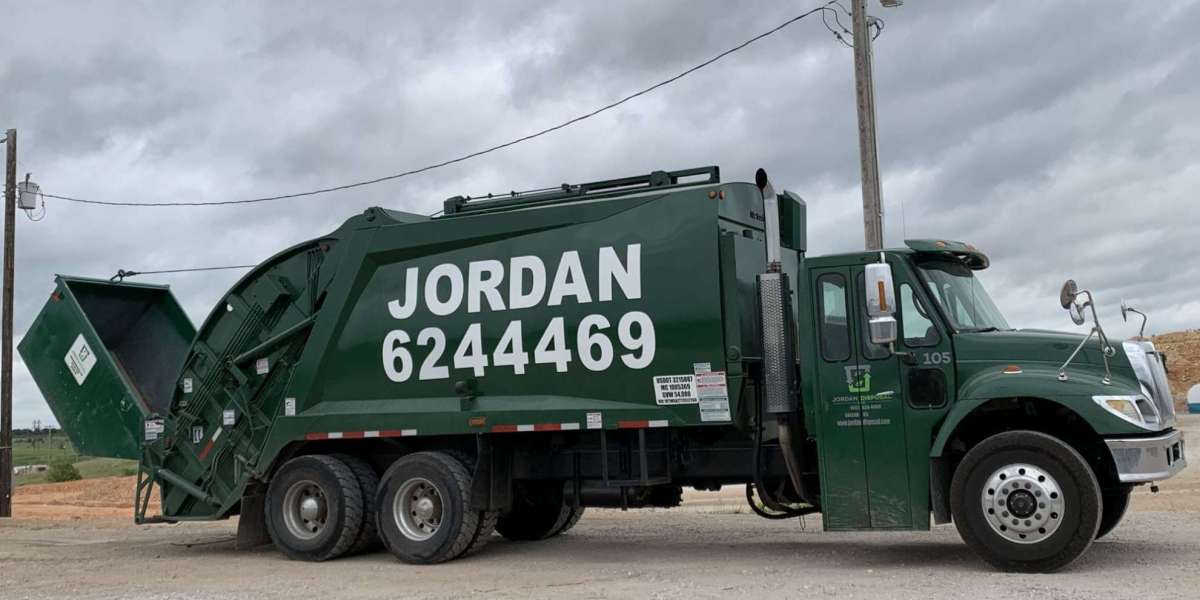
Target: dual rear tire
{"x": 424, "y": 510}
{"x": 315, "y": 508}
{"x": 321, "y": 507}
{"x": 538, "y": 512}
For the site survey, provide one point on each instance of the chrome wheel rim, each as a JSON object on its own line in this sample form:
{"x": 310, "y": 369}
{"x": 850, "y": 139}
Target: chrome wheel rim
{"x": 305, "y": 509}
{"x": 418, "y": 509}
{"x": 1023, "y": 503}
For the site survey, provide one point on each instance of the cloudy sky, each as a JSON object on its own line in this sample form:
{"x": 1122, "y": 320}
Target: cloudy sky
{"x": 1060, "y": 137}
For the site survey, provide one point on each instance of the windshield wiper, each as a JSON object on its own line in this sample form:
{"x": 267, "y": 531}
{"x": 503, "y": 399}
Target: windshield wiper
{"x": 982, "y": 330}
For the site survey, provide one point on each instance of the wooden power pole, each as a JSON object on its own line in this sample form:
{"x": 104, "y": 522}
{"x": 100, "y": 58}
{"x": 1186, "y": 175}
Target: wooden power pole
{"x": 867, "y": 151}
{"x": 6, "y": 331}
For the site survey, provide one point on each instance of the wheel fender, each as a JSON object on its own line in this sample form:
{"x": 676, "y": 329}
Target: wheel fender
{"x": 964, "y": 408}
{"x": 1038, "y": 382}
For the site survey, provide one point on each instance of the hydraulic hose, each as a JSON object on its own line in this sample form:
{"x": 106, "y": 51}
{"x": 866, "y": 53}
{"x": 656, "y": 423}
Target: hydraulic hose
{"x": 783, "y": 511}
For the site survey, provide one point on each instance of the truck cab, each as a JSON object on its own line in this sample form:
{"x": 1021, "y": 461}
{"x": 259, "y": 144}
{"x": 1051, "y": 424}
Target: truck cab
{"x": 896, "y": 419}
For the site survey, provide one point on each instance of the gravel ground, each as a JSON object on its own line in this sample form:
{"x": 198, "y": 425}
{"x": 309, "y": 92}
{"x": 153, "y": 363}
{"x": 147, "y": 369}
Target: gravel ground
{"x": 711, "y": 548}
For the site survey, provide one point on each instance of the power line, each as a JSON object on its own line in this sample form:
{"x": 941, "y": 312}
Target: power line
{"x": 606, "y": 107}
{"x": 122, "y": 273}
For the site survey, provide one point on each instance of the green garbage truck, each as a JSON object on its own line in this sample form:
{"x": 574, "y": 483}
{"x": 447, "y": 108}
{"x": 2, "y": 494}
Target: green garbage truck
{"x": 426, "y": 382}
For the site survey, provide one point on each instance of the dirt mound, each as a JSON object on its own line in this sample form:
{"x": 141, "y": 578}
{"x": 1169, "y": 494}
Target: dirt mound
{"x": 103, "y": 497}
{"x": 1183, "y": 361}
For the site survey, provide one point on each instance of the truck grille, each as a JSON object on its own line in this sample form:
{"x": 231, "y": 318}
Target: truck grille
{"x": 1161, "y": 388}
{"x": 1147, "y": 364}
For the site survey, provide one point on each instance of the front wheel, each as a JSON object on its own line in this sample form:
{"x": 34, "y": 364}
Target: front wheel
{"x": 1115, "y": 504}
{"x": 1025, "y": 501}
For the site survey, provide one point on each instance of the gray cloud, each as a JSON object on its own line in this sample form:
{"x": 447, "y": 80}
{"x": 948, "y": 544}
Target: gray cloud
{"x": 1059, "y": 137}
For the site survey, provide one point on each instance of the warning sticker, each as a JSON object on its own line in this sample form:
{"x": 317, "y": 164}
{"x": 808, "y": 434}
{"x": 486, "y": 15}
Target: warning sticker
{"x": 80, "y": 359}
{"x": 262, "y": 366}
{"x": 154, "y": 428}
{"x": 289, "y": 407}
{"x": 699, "y": 368}
{"x": 595, "y": 421}
{"x": 675, "y": 389}
{"x": 713, "y": 391}
{"x": 187, "y": 385}
{"x": 714, "y": 410}
{"x": 711, "y": 385}
{"x": 228, "y": 417}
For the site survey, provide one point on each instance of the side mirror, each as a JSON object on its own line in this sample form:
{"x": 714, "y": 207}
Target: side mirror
{"x": 883, "y": 330}
{"x": 881, "y": 303}
{"x": 881, "y": 297}
{"x": 1067, "y": 295}
{"x": 1124, "y": 311}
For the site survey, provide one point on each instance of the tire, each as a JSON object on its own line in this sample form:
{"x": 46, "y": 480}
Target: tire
{"x": 368, "y": 482}
{"x": 1049, "y": 488}
{"x": 435, "y": 524}
{"x": 537, "y": 513}
{"x": 487, "y": 518}
{"x": 487, "y": 527}
{"x": 572, "y": 520}
{"x": 314, "y": 508}
{"x": 1115, "y": 504}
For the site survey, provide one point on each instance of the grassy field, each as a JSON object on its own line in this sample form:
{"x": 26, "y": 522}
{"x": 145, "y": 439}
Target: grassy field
{"x": 43, "y": 454}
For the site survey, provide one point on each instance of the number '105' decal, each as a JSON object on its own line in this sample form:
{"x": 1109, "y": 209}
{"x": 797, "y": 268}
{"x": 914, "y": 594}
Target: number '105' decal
{"x": 592, "y": 346}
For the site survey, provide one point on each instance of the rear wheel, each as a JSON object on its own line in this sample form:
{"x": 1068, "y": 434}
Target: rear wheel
{"x": 572, "y": 520}
{"x": 314, "y": 508}
{"x": 424, "y": 508}
{"x": 1115, "y": 504}
{"x": 1025, "y": 501}
{"x": 368, "y": 481}
{"x": 538, "y": 512}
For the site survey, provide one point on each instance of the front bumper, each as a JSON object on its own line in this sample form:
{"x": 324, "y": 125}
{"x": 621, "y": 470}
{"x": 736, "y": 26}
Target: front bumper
{"x": 1140, "y": 460}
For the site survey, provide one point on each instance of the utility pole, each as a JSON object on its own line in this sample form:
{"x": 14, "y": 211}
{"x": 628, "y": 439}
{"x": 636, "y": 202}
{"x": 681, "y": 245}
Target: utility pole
{"x": 6, "y": 331}
{"x": 867, "y": 151}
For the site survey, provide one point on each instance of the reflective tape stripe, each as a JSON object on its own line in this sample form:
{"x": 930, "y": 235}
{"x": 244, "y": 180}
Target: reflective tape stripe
{"x": 354, "y": 435}
{"x": 535, "y": 427}
{"x": 642, "y": 424}
{"x": 207, "y": 448}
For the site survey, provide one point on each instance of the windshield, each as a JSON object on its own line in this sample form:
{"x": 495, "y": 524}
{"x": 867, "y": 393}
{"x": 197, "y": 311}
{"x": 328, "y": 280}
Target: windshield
{"x": 963, "y": 299}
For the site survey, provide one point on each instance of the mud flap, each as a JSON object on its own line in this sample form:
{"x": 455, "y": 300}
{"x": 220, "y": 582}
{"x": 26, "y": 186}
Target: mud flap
{"x": 252, "y": 522}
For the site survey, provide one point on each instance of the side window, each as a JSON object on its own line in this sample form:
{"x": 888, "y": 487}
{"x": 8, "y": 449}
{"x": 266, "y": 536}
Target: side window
{"x": 915, "y": 322}
{"x": 871, "y": 350}
{"x": 835, "y": 328}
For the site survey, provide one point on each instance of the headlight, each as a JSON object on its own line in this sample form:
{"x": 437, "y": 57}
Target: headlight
{"x": 1136, "y": 409}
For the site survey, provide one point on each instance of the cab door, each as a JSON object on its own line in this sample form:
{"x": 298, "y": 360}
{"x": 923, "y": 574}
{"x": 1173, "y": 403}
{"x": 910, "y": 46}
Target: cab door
{"x": 862, "y": 445}
{"x": 882, "y": 407}
{"x": 843, "y": 468}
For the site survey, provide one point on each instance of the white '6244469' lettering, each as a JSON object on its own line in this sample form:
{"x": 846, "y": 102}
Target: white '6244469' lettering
{"x": 593, "y": 343}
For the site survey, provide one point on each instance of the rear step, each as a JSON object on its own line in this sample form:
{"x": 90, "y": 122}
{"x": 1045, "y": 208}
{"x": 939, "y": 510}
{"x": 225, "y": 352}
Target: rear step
{"x": 106, "y": 356}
